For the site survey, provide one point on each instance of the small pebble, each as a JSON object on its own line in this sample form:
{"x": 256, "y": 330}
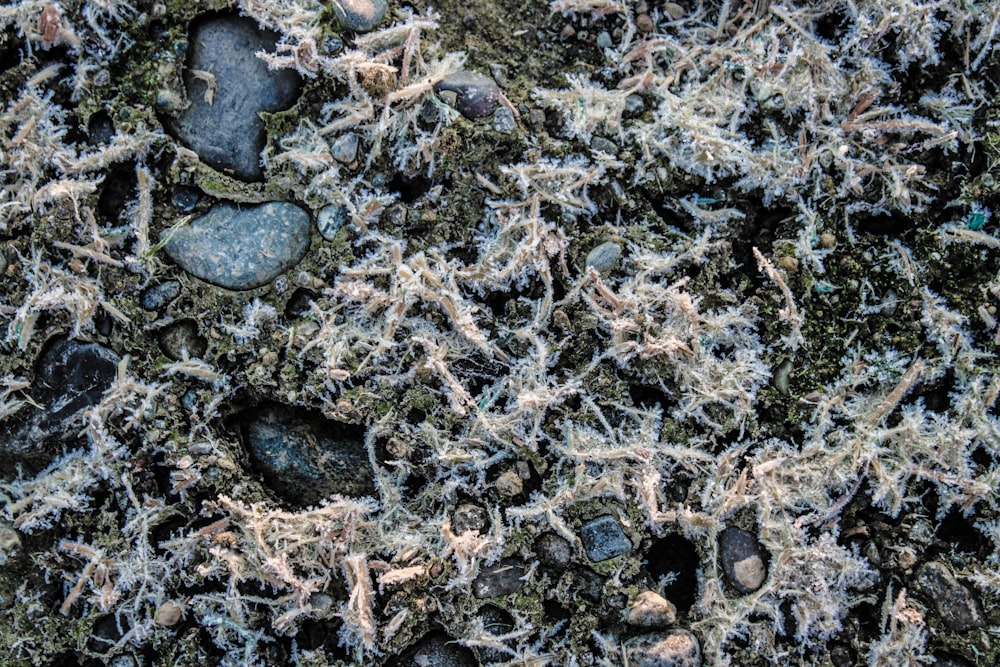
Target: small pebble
{"x": 497, "y": 622}
{"x": 673, "y": 10}
{"x": 605, "y": 257}
{"x": 504, "y": 122}
{"x": 676, "y": 648}
{"x": 241, "y": 248}
{"x": 553, "y": 551}
{"x": 956, "y": 604}
{"x": 159, "y": 296}
{"x": 476, "y": 95}
{"x": 168, "y": 613}
{"x": 603, "y": 538}
{"x": 509, "y": 484}
{"x": 634, "y": 105}
{"x": 73, "y": 375}
{"x": 651, "y": 610}
{"x": 644, "y": 23}
{"x": 469, "y": 517}
{"x": 360, "y": 15}
{"x": 345, "y": 148}
{"x": 181, "y": 339}
{"x": 602, "y": 145}
{"x": 604, "y": 39}
{"x": 742, "y": 559}
{"x": 185, "y": 198}
{"x": 331, "y": 219}
{"x": 502, "y": 578}
{"x": 827, "y": 240}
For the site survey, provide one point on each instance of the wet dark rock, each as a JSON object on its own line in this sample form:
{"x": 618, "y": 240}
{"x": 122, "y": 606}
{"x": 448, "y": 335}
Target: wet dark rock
{"x": 360, "y": 15}
{"x": 502, "y": 578}
{"x": 73, "y": 375}
{"x": 743, "y": 561}
{"x": 241, "y": 248}
{"x": 553, "y": 551}
{"x": 304, "y": 457}
{"x": 159, "y": 296}
{"x": 180, "y": 339}
{"x": 956, "y": 603}
{"x": 469, "y": 517}
{"x": 676, "y": 648}
{"x": 475, "y": 95}
{"x": 100, "y": 128}
{"x": 603, "y": 538}
{"x": 185, "y": 198}
{"x": 224, "y": 127}
{"x": 435, "y": 650}
{"x": 497, "y": 622}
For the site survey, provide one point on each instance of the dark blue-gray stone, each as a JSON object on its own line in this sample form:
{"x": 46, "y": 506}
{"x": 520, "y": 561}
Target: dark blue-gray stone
{"x": 241, "y": 248}
{"x": 73, "y": 375}
{"x": 501, "y": 578}
{"x": 744, "y": 562}
{"x": 603, "y": 538}
{"x": 304, "y": 457}
{"x": 956, "y": 604}
{"x": 227, "y": 132}
{"x": 159, "y": 296}
{"x": 360, "y": 15}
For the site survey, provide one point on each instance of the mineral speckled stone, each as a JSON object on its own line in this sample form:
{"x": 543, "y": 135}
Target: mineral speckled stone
{"x": 743, "y": 560}
{"x": 501, "y": 578}
{"x": 553, "y": 551}
{"x": 956, "y": 604}
{"x": 435, "y": 650}
{"x": 603, "y": 538}
{"x": 331, "y": 219}
{"x": 469, "y": 517}
{"x": 651, "y": 610}
{"x": 676, "y": 648}
{"x": 159, "y": 296}
{"x": 359, "y": 15}
{"x": 345, "y": 148}
{"x": 227, "y": 87}
{"x": 241, "y": 248}
{"x": 304, "y": 457}
{"x": 475, "y": 95}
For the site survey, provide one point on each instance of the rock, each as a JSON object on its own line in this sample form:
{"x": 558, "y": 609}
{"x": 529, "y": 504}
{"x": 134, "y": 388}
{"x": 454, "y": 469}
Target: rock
{"x": 159, "y": 296}
{"x": 241, "y": 248}
{"x": 181, "y": 339}
{"x": 469, "y": 517}
{"x": 651, "y": 610}
{"x": 509, "y": 484}
{"x": 956, "y": 604}
{"x": 743, "y": 560}
{"x": 553, "y": 551}
{"x": 185, "y": 198}
{"x": 435, "y": 650}
{"x": 168, "y": 613}
{"x": 604, "y": 257}
{"x": 228, "y": 86}
{"x": 476, "y": 95}
{"x": 304, "y": 457}
{"x": 634, "y": 105}
{"x": 360, "y": 15}
{"x": 331, "y": 219}
{"x": 73, "y": 375}
{"x": 345, "y": 148}
{"x": 502, "y": 578}
{"x": 503, "y": 121}
{"x": 677, "y": 648}
{"x": 497, "y": 622}
{"x": 603, "y": 538}
{"x": 604, "y": 145}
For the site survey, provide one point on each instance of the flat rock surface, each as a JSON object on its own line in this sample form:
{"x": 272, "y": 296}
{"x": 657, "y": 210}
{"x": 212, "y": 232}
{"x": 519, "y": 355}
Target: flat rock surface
{"x": 603, "y": 538}
{"x": 227, "y": 88}
{"x": 241, "y": 248}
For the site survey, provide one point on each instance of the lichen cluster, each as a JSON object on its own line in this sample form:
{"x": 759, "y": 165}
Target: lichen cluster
{"x": 799, "y": 338}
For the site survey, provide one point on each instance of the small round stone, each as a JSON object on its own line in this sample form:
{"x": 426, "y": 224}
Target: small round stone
{"x": 644, "y": 23}
{"x": 181, "y": 339}
{"x": 503, "y": 121}
{"x": 168, "y": 613}
{"x": 345, "y": 148}
{"x": 603, "y": 538}
{"x": 677, "y": 648}
{"x": 742, "y": 559}
{"x": 241, "y": 248}
{"x": 605, "y": 257}
{"x": 360, "y": 15}
{"x": 331, "y": 219}
{"x": 476, "y": 95}
{"x": 497, "y": 622}
{"x": 553, "y": 550}
{"x": 651, "y": 610}
{"x": 185, "y": 198}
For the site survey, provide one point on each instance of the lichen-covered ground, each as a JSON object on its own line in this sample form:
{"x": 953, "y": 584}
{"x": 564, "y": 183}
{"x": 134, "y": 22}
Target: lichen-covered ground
{"x": 798, "y": 340}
